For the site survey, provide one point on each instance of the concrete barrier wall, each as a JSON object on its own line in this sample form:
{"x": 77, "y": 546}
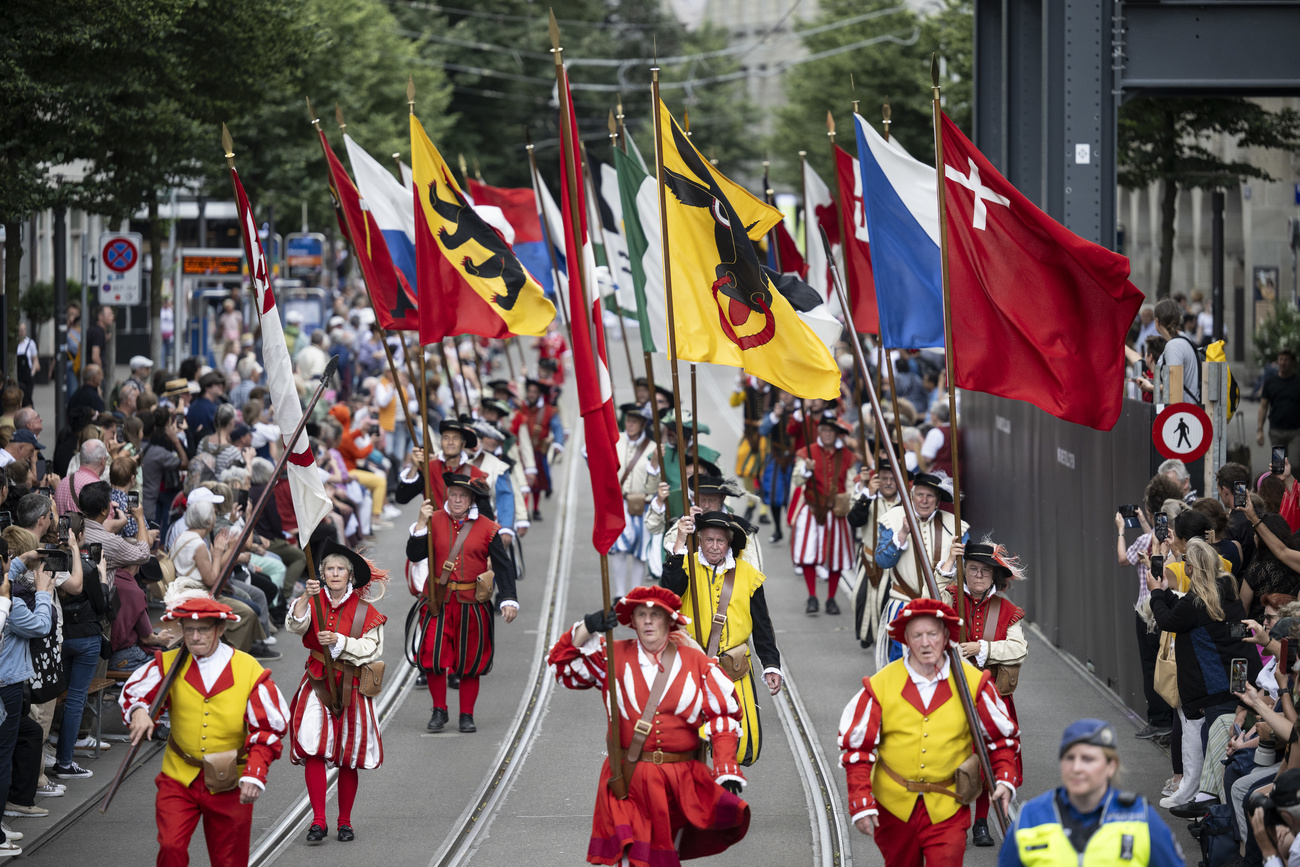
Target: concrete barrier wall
{"x": 1049, "y": 490}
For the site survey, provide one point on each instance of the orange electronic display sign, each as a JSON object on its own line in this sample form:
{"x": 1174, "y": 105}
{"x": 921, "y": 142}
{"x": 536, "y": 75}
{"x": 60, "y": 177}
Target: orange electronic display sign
{"x": 212, "y": 265}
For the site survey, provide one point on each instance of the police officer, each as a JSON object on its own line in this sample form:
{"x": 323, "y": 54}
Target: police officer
{"x": 1085, "y": 820}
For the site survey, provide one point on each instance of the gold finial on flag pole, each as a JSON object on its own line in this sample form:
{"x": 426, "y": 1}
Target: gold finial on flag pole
{"x": 338, "y": 117}
{"x": 886, "y": 111}
{"x": 410, "y": 92}
{"x": 613, "y": 130}
{"x": 311, "y": 114}
{"x": 853, "y": 86}
{"x": 686, "y": 122}
{"x": 555, "y": 37}
{"x": 830, "y": 126}
{"x": 228, "y": 145}
{"x": 477, "y": 174}
{"x": 464, "y": 169}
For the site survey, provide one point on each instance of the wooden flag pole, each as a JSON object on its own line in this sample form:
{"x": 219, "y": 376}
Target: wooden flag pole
{"x": 464, "y": 382}
{"x": 613, "y": 739}
{"x": 949, "y": 371}
{"x": 388, "y": 350}
{"x": 927, "y": 572}
{"x": 672, "y": 346}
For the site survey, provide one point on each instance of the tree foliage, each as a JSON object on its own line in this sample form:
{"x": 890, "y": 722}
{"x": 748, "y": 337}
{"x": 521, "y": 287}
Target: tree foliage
{"x": 891, "y": 61}
{"x": 1167, "y": 140}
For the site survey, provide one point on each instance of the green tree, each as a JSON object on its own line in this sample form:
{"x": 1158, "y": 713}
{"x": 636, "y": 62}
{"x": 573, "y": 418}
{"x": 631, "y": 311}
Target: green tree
{"x": 1165, "y": 140}
{"x": 884, "y": 53}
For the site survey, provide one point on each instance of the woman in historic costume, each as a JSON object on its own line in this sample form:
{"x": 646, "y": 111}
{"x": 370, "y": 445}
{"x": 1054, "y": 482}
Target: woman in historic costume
{"x": 720, "y": 567}
{"x": 333, "y": 715}
{"x": 991, "y": 638}
{"x": 824, "y": 471}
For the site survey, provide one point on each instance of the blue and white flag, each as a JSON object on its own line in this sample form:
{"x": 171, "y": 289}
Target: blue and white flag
{"x": 391, "y": 204}
{"x": 900, "y": 201}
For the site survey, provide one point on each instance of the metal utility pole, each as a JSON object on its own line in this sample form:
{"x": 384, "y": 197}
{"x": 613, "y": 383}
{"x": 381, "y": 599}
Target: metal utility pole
{"x": 1216, "y": 261}
{"x": 60, "y": 315}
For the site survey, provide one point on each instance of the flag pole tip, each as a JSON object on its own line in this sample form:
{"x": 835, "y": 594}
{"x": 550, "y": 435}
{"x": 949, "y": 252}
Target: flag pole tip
{"x": 830, "y": 123}
{"x": 803, "y": 154}
{"x": 227, "y": 143}
{"x": 613, "y": 124}
{"x": 554, "y": 28}
{"x": 338, "y": 117}
{"x": 410, "y": 92}
{"x": 934, "y": 68}
{"x": 886, "y": 110}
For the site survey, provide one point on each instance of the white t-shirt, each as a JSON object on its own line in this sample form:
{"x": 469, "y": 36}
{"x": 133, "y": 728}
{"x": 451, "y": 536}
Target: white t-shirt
{"x": 932, "y": 443}
{"x": 264, "y": 433}
{"x": 1205, "y": 322}
{"x": 28, "y": 348}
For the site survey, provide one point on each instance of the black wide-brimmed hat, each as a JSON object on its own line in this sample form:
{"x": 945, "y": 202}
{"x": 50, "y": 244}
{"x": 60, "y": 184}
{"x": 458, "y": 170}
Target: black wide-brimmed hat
{"x": 497, "y": 406}
{"x": 463, "y": 425}
{"x": 360, "y": 565}
{"x": 710, "y": 484}
{"x": 666, "y": 392}
{"x": 941, "y": 484}
{"x": 543, "y": 387}
{"x": 460, "y": 480}
{"x": 639, "y": 410}
{"x": 725, "y": 521}
{"x": 882, "y": 463}
{"x": 828, "y": 418}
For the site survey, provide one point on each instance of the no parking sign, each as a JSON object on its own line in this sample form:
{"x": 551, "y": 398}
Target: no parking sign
{"x": 119, "y": 254}
{"x": 1182, "y": 431}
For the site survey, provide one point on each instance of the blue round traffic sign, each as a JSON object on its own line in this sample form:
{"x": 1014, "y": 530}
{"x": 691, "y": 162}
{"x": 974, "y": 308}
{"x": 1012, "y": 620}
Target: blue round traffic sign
{"x": 120, "y": 255}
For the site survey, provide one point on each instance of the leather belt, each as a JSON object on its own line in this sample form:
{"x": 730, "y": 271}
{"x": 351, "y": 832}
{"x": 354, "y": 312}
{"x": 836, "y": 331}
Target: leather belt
{"x": 461, "y": 585}
{"x": 661, "y": 757}
{"x": 189, "y": 759}
{"x": 943, "y": 787}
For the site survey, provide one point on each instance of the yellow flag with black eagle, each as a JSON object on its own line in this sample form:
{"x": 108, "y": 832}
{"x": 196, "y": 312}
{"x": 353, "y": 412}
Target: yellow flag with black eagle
{"x": 727, "y": 309}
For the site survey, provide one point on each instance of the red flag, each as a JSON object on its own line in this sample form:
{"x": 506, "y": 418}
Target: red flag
{"x": 517, "y": 203}
{"x": 787, "y": 252}
{"x": 1038, "y": 313}
{"x": 389, "y": 292}
{"x": 857, "y": 249}
{"x": 590, "y": 365}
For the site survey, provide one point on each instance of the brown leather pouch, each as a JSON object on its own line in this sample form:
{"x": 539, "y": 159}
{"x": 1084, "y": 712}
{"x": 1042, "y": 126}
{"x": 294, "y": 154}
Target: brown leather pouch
{"x": 483, "y": 586}
{"x": 636, "y": 504}
{"x": 1005, "y": 678}
{"x": 370, "y": 678}
{"x": 841, "y": 506}
{"x": 221, "y": 771}
{"x": 968, "y": 781}
{"x": 734, "y": 662}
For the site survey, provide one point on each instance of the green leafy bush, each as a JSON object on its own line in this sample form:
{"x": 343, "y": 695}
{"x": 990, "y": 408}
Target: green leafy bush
{"x": 1281, "y": 330}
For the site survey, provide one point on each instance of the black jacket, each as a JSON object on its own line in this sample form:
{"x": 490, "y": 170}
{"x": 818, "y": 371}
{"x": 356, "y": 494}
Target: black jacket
{"x": 1203, "y": 648}
{"x": 675, "y": 579}
{"x": 503, "y": 568}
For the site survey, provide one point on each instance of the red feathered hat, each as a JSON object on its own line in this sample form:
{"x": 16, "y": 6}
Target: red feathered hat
{"x": 200, "y": 608}
{"x": 923, "y": 608}
{"x": 651, "y": 596}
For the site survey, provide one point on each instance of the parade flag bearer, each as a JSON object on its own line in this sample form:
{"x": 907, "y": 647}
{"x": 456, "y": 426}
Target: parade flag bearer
{"x": 228, "y": 723}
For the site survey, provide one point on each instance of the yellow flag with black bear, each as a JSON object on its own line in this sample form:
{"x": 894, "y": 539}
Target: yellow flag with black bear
{"x": 726, "y": 309}
{"x": 469, "y": 280}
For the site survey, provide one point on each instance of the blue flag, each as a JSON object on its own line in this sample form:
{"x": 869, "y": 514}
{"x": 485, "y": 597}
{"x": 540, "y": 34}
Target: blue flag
{"x": 900, "y": 201}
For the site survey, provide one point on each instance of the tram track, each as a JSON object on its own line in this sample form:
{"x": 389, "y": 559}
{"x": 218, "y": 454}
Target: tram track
{"x": 829, "y": 825}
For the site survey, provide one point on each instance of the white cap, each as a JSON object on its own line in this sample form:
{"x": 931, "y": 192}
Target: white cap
{"x": 203, "y": 495}
{"x": 293, "y": 317}
{"x": 140, "y": 361}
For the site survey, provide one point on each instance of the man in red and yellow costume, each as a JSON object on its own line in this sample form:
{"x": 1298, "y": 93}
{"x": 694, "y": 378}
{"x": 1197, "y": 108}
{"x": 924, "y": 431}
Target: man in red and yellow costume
{"x": 228, "y": 723}
{"x": 676, "y": 807}
{"x": 469, "y": 564}
{"x": 904, "y": 735}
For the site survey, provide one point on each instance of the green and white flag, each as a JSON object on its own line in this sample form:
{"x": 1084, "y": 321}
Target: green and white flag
{"x": 639, "y": 197}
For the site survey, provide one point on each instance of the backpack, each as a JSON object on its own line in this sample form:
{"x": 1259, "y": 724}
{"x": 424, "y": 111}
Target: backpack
{"x": 1214, "y": 352}
{"x": 1219, "y": 837}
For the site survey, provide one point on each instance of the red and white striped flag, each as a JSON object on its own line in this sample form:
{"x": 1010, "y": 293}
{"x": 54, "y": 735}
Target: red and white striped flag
{"x": 310, "y": 503}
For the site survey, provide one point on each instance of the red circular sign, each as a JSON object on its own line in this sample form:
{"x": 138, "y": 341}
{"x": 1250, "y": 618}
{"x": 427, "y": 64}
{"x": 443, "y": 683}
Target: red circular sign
{"x": 1183, "y": 431}
{"x": 120, "y": 255}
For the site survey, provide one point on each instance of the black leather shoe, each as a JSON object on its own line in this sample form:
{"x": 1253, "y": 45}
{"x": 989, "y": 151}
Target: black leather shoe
{"x": 1192, "y": 809}
{"x": 345, "y": 834}
{"x": 764, "y": 519}
{"x": 422, "y": 679}
{"x": 438, "y": 720}
{"x": 537, "y": 514}
{"x": 467, "y": 723}
{"x": 775, "y": 537}
{"x": 832, "y": 607}
{"x": 979, "y": 833}
{"x": 453, "y": 681}
{"x": 317, "y": 833}
{"x": 811, "y": 607}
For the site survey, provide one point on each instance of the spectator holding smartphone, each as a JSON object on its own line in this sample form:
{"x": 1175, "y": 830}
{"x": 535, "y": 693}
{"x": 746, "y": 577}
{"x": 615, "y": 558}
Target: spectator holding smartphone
{"x": 85, "y": 605}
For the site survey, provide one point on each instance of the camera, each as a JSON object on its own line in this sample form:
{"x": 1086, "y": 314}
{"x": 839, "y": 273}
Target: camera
{"x": 56, "y": 559}
{"x": 1259, "y": 800}
{"x": 1237, "y": 632}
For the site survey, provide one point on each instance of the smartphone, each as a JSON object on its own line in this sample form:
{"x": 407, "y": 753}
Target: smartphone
{"x": 6, "y": 519}
{"x": 56, "y": 560}
{"x": 1236, "y": 730}
{"x": 96, "y": 551}
{"x": 65, "y": 524}
{"x": 133, "y": 500}
{"x": 1157, "y": 566}
{"x": 242, "y": 498}
{"x": 1284, "y": 653}
{"x": 1162, "y": 527}
{"x": 45, "y": 491}
{"x": 1130, "y": 515}
{"x": 1238, "y": 680}
{"x": 1239, "y": 495}
{"x": 40, "y": 468}
{"x": 1277, "y": 466}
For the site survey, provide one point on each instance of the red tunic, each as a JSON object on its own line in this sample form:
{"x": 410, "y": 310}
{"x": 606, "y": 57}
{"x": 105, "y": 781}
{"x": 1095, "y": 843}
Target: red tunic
{"x": 437, "y": 466}
{"x": 554, "y": 346}
{"x": 538, "y": 419}
{"x": 668, "y": 799}
{"x": 459, "y": 639}
{"x": 351, "y": 739}
{"x": 821, "y": 538}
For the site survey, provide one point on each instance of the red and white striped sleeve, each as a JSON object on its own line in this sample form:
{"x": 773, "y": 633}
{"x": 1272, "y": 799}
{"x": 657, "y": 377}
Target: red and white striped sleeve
{"x": 578, "y": 667}
{"x": 859, "y": 739}
{"x": 1001, "y": 734}
{"x": 722, "y": 715}
{"x": 267, "y": 718}
{"x": 142, "y": 687}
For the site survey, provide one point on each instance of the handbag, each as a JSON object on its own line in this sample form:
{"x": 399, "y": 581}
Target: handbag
{"x": 370, "y": 675}
{"x": 636, "y": 505}
{"x": 968, "y": 782}
{"x": 1005, "y": 677}
{"x": 483, "y": 586}
{"x": 1166, "y": 673}
{"x": 735, "y": 662}
{"x": 220, "y": 770}
{"x": 841, "y": 506}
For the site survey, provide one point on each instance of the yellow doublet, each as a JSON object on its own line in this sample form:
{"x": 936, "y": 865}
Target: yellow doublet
{"x": 207, "y": 724}
{"x": 926, "y": 747}
{"x": 735, "y": 632}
